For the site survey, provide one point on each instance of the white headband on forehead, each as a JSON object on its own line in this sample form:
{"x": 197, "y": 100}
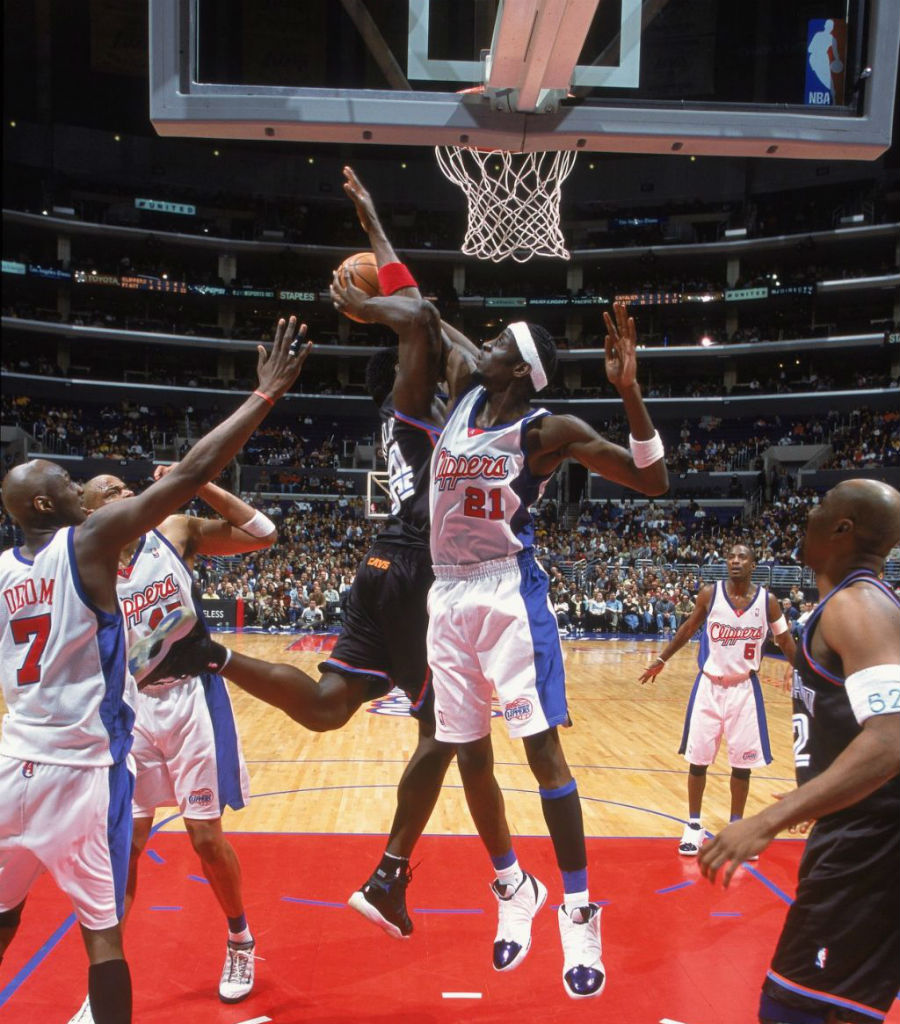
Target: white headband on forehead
{"x": 528, "y": 351}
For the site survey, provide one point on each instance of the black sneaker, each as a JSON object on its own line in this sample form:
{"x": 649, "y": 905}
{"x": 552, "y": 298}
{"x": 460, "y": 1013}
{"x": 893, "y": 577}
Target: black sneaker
{"x": 383, "y": 901}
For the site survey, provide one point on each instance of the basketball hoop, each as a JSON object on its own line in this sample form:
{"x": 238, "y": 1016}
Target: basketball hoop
{"x": 513, "y": 200}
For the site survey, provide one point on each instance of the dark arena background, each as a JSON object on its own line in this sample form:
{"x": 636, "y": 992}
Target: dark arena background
{"x": 172, "y": 185}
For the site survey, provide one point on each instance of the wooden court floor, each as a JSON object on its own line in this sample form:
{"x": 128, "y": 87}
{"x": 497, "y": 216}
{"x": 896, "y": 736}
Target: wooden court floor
{"x": 314, "y": 828}
{"x": 621, "y": 748}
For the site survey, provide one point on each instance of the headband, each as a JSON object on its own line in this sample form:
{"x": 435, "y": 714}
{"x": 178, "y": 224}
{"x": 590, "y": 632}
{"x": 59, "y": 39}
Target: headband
{"x": 528, "y": 351}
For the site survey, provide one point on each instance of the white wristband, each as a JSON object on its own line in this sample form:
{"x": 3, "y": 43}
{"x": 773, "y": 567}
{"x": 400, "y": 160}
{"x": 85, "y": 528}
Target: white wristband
{"x": 258, "y": 526}
{"x": 779, "y": 626}
{"x": 645, "y": 453}
{"x": 221, "y": 668}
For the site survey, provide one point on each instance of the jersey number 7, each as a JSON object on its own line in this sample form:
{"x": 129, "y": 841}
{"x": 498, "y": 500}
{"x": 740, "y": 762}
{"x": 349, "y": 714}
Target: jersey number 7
{"x": 38, "y": 626}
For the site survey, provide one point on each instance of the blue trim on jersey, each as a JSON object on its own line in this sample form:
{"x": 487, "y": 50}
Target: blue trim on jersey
{"x": 228, "y": 760}
{"x": 690, "y": 708}
{"x": 738, "y": 611}
{"x": 118, "y": 829}
{"x": 173, "y": 549}
{"x": 527, "y": 487}
{"x": 116, "y": 715}
{"x": 549, "y": 673}
{"x": 703, "y": 646}
{"x": 430, "y": 429}
{"x": 133, "y": 560}
{"x": 761, "y": 722}
{"x": 342, "y": 667}
{"x": 858, "y": 574}
{"x": 17, "y": 552}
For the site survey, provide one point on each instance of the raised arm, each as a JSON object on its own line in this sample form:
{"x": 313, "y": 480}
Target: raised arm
{"x": 100, "y": 538}
{"x": 556, "y": 438}
{"x": 240, "y": 529}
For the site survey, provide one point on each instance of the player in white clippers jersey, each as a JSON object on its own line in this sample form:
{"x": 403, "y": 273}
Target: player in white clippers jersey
{"x": 66, "y": 735}
{"x": 726, "y": 699}
{"x": 492, "y": 627}
{"x": 838, "y": 957}
{"x": 186, "y": 745}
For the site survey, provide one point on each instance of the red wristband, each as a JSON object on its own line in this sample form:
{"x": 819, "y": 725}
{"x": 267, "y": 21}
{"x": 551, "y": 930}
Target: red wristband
{"x": 394, "y": 276}
{"x": 264, "y": 397}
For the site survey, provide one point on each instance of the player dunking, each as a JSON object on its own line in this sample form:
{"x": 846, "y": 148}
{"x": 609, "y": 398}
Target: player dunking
{"x": 186, "y": 746}
{"x": 67, "y": 731}
{"x": 385, "y": 623}
{"x": 492, "y": 627}
{"x": 838, "y": 958}
{"x": 727, "y": 697}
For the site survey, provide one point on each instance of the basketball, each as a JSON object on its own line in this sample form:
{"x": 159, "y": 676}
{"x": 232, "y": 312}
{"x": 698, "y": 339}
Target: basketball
{"x": 361, "y": 270}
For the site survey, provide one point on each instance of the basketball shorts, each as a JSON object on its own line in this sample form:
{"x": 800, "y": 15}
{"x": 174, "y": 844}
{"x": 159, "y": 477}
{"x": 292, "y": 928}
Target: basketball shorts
{"x": 385, "y": 623}
{"x": 74, "y": 823}
{"x": 187, "y": 751}
{"x": 839, "y": 949}
{"x": 492, "y": 630}
{"x": 735, "y": 710}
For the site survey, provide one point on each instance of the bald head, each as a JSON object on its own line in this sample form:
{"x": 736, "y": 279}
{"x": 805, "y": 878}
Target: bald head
{"x": 39, "y": 493}
{"x": 100, "y": 490}
{"x": 874, "y": 509}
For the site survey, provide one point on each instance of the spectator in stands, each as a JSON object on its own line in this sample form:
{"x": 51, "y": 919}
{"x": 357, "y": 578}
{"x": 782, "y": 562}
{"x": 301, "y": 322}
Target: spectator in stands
{"x": 665, "y": 613}
{"x": 614, "y": 611}
{"x": 683, "y": 606}
{"x": 312, "y": 617}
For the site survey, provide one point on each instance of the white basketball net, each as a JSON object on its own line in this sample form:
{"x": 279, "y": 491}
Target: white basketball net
{"x": 513, "y": 200}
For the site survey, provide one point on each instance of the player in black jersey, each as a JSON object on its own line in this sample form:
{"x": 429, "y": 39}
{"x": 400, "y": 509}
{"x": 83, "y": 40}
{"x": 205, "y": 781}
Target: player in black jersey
{"x": 386, "y": 620}
{"x": 838, "y": 958}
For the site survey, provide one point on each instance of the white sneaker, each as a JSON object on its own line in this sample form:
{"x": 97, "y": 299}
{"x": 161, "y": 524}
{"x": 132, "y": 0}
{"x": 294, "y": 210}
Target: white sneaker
{"x": 84, "y": 1015}
{"x": 583, "y": 972}
{"x": 515, "y": 913}
{"x": 691, "y": 841}
{"x": 237, "y": 974}
{"x": 148, "y": 652}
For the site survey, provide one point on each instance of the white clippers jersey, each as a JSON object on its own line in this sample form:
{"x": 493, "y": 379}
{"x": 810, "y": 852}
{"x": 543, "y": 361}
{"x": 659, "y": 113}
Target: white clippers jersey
{"x": 152, "y": 584}
{"x": 732, "y": 642}
{"x": 69, "y": 696}
{"x": 481, "y": 488}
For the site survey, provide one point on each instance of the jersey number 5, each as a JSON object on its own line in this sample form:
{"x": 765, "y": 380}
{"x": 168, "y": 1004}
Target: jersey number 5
{"x": 481, "y": 504}
{"x": 38, "y": 626}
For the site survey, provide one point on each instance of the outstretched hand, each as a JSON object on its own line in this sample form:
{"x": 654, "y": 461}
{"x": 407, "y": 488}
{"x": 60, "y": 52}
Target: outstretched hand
{"x": 280, "y": 367}
{"x": 621, "y": 346}
{"x": 365, "y": 207}
{"x": 652, "y": 671}
{"x": 347, "y": 298}
{"x": 735, "y": 844}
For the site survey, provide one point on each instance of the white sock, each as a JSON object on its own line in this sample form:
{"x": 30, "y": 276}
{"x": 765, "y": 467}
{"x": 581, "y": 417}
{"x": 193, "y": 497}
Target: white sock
{"x": 511, "y": 876}
{"x": 575, "y": 900}
{"x": 244, "y": 936}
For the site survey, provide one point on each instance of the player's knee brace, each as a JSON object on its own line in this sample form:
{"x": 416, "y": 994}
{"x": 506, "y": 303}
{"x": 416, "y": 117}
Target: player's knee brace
{"x": 740, "y": 773}
{"x": 698, "y": 769}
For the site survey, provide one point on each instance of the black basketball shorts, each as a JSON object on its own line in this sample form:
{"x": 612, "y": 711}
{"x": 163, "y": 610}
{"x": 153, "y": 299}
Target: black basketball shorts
{"x": 385, "y": 625}
{"x": 839, "y": 949}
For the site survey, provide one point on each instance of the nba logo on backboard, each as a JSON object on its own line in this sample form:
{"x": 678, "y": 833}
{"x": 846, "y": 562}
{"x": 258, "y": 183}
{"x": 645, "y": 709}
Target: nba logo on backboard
{"x": 826, "y": 47}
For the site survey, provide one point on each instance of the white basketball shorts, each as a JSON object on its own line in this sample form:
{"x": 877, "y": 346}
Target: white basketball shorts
{"x": 735, "y": 710}
{"x": 491, "y": 629}
{"x": 74, "y": 823}
{"x": 187, "y": 752}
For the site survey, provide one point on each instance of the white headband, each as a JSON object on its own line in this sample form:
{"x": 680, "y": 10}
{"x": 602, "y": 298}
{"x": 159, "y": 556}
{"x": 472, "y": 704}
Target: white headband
{"x": 528, "y": 351}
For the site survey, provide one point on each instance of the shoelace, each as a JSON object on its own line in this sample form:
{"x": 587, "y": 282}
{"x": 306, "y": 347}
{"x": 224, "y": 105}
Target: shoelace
{"x": 239, "y": 960}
